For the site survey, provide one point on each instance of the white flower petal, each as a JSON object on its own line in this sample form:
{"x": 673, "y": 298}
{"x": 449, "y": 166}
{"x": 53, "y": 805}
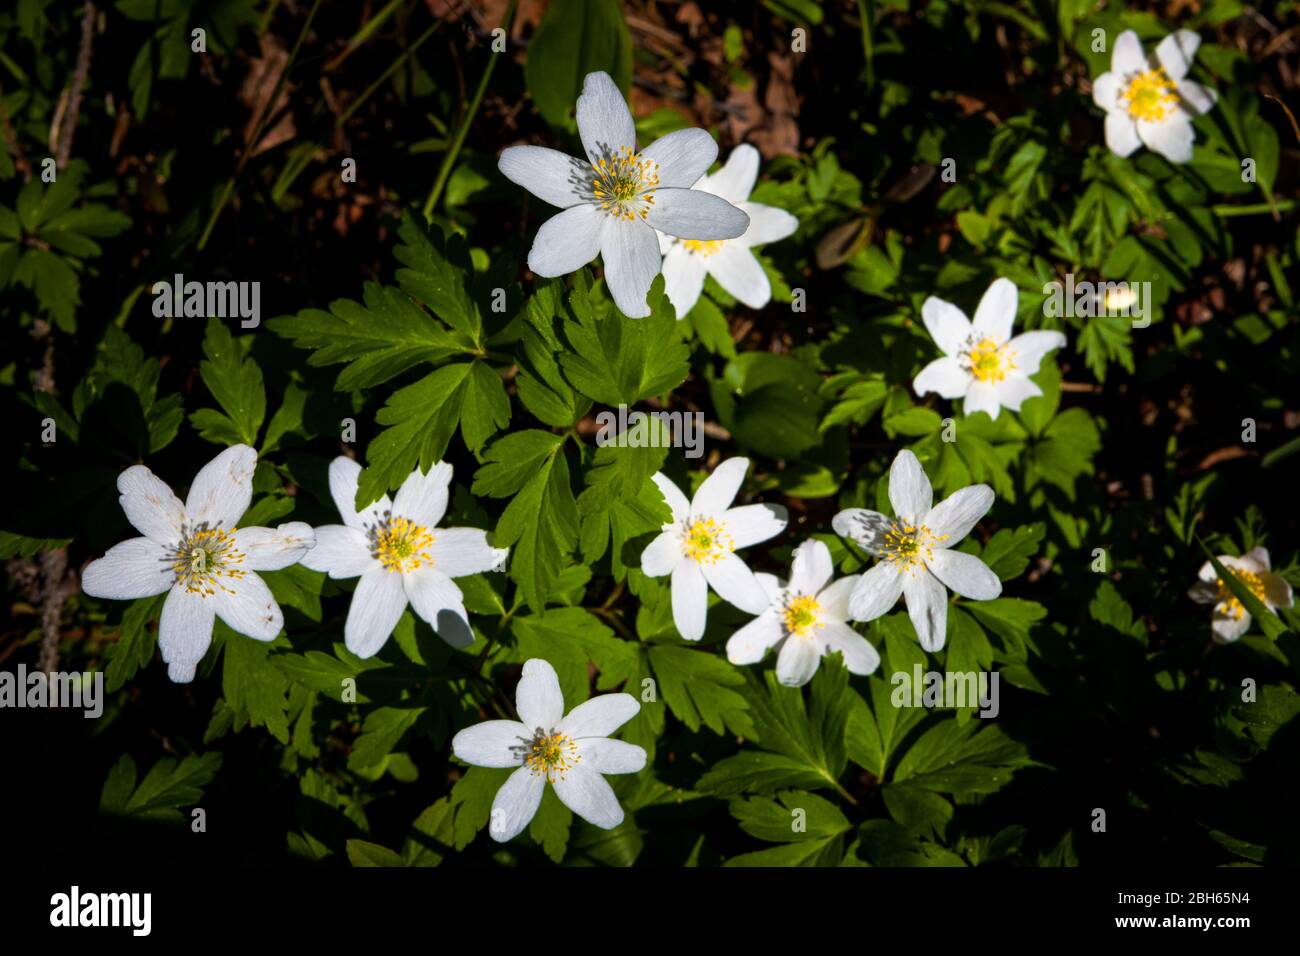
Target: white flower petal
{"x": 684, "y": 273}
{"x": 515, "y": 804}
{"x": 1260, "y": 557}
{"x": 247, "y": 605}
{"x": 343, "y": 475}
{"x": 766, "y": 224}
{"x": 1014, "y": 390}
{"x": 600, "y": 716}
{"x": 1177, "y": 51}
{"x": 489, "y": 744}
{"x": 611, "y": 756}
{"x": 1127, "y": 55}
{"x": 631, "y": 255}
{"x": 270, "y": 549}
{"x": 548, "y": 174}
{"x": 1226, "y": 628}
{"x": 770, "y": 583}
{"x": 1172, "y": 138}
{"x": 909, "y": 488}
{"x": 811, "y": 568}
{"x": 797, "y": 662}
{"x": 964, "y": 573}
{"x": 1277, "y": 590}
{"x": 567, "y": 241}
{"x": 184, "y": 632}
{"x": 947, "y": 325}
{"x": 996, "y": 313}
{"x": 834, "y": 598}
{"x": 1204, "y": 592}
{"x": 944, "y": 376}
{"x": 735, "y": 180}
{"x": 695, "y": 214}
{"x": 740, "y": 274}
{"x": 604, "y": 121}
{"x": 457, "y": 552}
{"x": 223, "y": 488}
{"x": 136, "y": 568}
{"x": 377, "y": 606}
{"x": 690, "y": 593}
{"x": 751, "y": 642}
{"x": 865, "y": 527}
{"x": 438, "y": 601}
{"x": 683, "y": 156}
{"x": 1121, "y": 134}
{"x": 538, "y": 698}
{"x": 927, "y": 606}
{"x": 981, "y": 397}
{"x": 423, "y": 497}
{"x": 958, "y": 513}
{"x": 584, "y": 791}
{"x": 859, "y": 656}
{"x": 734, "y": 582}
{"x": 718, "y": 491}
{"x": 661, "y": 555}
{"x": 1195, "y": 97}
{"x": 150, "y": 505}
{"x": 1106, "y": 89}
{"x": 876, "y": 593}
{"x": 1028, "y": 348}
{"x": 340, "y": 552}
{"x": 680, "y": 505}
{"x": 750, "y": 524}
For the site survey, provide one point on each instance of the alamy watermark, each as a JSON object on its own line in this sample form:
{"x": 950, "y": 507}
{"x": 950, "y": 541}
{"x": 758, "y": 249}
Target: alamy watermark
{"x": 201, "y": 300}
{"x": 636, "y": 429}
{"x": 75, "y": 908}
{"x": 71, "y": 689}
{"x": 1086, "y": 299}
{"x": 959, "y": 689}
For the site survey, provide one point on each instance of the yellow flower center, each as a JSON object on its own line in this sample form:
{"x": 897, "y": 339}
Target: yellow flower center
{"x": 623, "y": 184}
{"x": 706, "y": 541}
{"x": 550, "y": 754}
{"x": 908, "y": 546}
{"x": 400, "y": 544}
{"x": 204, "y": 557}
{"x": 987, "y": 361}
{"x": 801, "y": 615}
{"x": 703, "y": 247}
{"x": 1231, "y": 605}
{"x": 1150, "y": 95}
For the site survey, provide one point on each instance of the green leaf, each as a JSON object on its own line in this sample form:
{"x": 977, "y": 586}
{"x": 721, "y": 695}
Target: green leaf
{"x": 438, "y": 274}
{"x": 168, "y": 786}
{"x": 135, "y": 642}
{"x": 252, "y": 685}
{"x": 576, "y": 37}
{"x": 361, "y": 853}
{"x": 235, "y": 382}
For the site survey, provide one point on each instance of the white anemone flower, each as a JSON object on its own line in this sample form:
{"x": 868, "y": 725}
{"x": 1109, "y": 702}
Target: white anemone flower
{"x": 981, "y": 362}
{"x": 806, "y": 620}
{"x": 1253, "y": 569}
{"x": 195, "y": 553}
{"x": 914, "y": 551}
{"x": 615, "y": 200}
{"x": 570, "y": 752}
{"x": 1152, "y": 103}
{"x": 729, "y": 261}
{"x": 698, "y": 547}
{"x": 401, "y": 556}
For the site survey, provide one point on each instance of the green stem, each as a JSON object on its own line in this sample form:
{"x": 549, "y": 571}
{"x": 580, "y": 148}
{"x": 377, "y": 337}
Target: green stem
{"x": 383, "y": 77}
{"x": 453, "y": 151}
{"x": 1227, "y": 211}
{"x": 258, "y": 129}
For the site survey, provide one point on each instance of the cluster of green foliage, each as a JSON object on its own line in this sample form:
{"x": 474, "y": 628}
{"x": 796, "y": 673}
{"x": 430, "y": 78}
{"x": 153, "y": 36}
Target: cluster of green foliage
{"x": 1113, "y": 696}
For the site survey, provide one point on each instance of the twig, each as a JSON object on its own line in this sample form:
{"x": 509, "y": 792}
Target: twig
{"x": 63, "y": 135}
{"x": 56, "y": 588}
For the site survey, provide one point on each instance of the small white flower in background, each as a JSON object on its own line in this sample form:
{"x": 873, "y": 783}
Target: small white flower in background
{"x": 806, "y": 620}
{"x": 698, "y": 546}
{"x": 982, "y": 363}
{"x": 1231, "y": 619}
{"x": 401, "y": 556}
{"x": 571, "y": 752}
{"x": 615, "y": 200}
{"x": 1152, "y": 103}
{"x": 914, "y": 551}
{"x": 195, "y": 553}
{"x": 729, "y": 261}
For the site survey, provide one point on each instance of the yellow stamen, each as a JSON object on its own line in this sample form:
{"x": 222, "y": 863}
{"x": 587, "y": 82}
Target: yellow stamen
{"x": 908, "y": 546}
{"x": 1228, "y": 602}
{"x": 205, "y": 559}
{"x": 987, "y": 361}
{"x": 1150, "y": 96}
{"x": 400, "y": 544}
{"x": 550, "y": 754}
{"x": 624, "y": 184}
{"x": 706, "y": 541}
{"x": 703, "y": 247}
{"x": 801, "y": 615}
